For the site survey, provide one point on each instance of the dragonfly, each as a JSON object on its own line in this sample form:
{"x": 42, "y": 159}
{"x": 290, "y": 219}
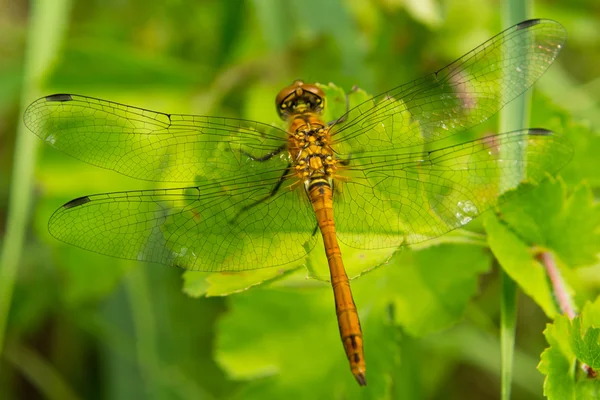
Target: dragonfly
{"x": 389, "y": 172}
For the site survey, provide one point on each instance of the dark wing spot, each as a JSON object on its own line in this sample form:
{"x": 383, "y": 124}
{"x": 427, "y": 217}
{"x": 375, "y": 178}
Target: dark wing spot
{"x": 539, "y": 132}
{"x": 356, "y": 357}
{"x": 528, "y": 23}
{"x": 77, "y": 202}
{"x": 59, "y": 97}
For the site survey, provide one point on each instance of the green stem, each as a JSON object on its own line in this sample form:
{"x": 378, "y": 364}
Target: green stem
{"x": 559, "y": 287}
{"x": 173, "y": 377}
{"x": 561, "y": 294}
{"x": 47, "y": 22}
{"x": 39, "y": 372}
{"x": 508, "y": 324}
{"x": 145, "y": 328}
{"x": 514, "y": 116}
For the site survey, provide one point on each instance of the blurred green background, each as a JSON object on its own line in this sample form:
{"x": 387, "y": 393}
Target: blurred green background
{"x": 84, "y": 326}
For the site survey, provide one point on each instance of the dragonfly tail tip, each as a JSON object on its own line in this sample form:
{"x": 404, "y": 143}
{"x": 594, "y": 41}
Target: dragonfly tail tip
{"x": 361, "y": 379}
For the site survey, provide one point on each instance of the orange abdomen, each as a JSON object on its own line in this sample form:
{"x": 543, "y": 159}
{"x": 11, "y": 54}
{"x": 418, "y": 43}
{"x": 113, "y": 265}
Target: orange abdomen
{"x": 350, "y": 331}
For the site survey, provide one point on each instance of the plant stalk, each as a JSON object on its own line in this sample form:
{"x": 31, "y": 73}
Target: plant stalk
{"x": 514, "y": 116}
{"x": 47, "y": 23}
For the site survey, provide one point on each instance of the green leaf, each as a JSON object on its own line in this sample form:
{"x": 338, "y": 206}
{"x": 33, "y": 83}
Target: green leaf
{"x": 430, "y": 288}
{"x": 585, "y": 344}
{"x": 197, "y": 284}
{"x": 557, "y": 361}
{"x": 585, "y": 141}
{"x": 584, "y": 166}
{"x": 356, "y": 261}
{"x": 572, "y": 343}
{"x": 585, "y": 333}
{"x": 546, "y": 217}
{"x": 567, "y": 224}
{"x": 291, "y": 345}
{"x": 531, "y": 212}
{"x": 576, "y": 236}
{"x": 517, "y": 259}
{"x": 292, "y": 337}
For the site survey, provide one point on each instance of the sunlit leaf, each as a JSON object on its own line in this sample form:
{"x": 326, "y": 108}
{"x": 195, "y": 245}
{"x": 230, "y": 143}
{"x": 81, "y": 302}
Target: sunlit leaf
{"x": 572, "y": 343}
{"x": 290, "y": 337}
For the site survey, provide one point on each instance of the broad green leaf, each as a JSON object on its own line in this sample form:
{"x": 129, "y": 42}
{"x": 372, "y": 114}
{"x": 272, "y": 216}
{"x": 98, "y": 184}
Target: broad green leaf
{"x": 584, "y": 166}
{"x": 586, "y": 142}
{"x": 430, "y": 288}
{"x": 576, "y": 236}
{"x": 585, "y": 343}
{"x": 565, "y": 223}
{"x": 356, "y": 261}
{"x": 195, "y": 283}
{"x": 517, "y": 259}
{"x": 530, "y": 217}
{"x": 558, "y": 361}
{"x": 291, "y": 345}
{"x": 572, "y": 343}
{"x": 292, "y": 338}
{"x": 198, "y": 284}
{"x": 549, "y": 218}
{"x": 585, "y": 333}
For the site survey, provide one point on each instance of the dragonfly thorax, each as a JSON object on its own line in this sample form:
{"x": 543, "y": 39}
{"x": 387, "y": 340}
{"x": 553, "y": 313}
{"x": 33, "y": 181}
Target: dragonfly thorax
{"x": 310, "y": 150}
{"x": 299, "y": 98}
{"x": 309, "y": 140}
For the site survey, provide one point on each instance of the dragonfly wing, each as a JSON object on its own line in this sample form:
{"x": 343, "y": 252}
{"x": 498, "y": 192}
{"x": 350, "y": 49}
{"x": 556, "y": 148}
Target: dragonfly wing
{"x": 397, "y": 198}
{"x": 210, "y": 227}
{"x": 463, "y": 94}
{"x": 151, "y": 145}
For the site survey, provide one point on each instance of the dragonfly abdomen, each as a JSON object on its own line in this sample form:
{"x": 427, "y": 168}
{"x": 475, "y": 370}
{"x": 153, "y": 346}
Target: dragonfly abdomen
{"x": 320, "y": 195}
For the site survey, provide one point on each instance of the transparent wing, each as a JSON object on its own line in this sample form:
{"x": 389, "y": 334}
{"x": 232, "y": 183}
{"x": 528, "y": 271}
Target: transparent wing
{"x": 455, "y": 98}
{"x": 395, "y": 198}
{"x": 151, "y": 145}
{"x": 210, "y": 227}
{"x": 396, "y": 193}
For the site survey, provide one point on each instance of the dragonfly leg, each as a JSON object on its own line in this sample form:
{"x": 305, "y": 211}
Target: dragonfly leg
{"x": 316, "y": 229}
{"x": 271, "y": 194}
{"x": 344, "y": 117}
{"x": 267, "y": 156}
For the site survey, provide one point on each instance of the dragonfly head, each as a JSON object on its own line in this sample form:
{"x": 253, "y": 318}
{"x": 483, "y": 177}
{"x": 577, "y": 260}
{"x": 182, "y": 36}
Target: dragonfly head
{"x": 299, "y": 98}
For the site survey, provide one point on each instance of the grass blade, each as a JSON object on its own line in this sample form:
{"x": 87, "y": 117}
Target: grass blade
{"x": 47, "y": 22}
{"x": 513, "y": 117}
